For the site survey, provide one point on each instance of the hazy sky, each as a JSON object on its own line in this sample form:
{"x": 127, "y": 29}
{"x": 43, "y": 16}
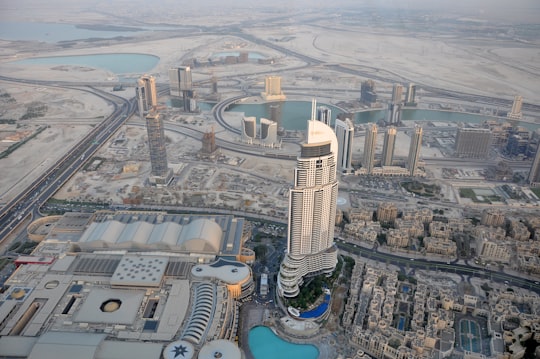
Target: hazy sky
{"x": 504, "y": 10}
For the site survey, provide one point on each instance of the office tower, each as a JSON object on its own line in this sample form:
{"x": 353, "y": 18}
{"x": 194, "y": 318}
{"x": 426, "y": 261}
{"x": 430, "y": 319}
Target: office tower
{"x": 389, "y": 146}
{"x": 534, "y": 174}
{"x": 410, "y": 97}
{"x": 146, "y": 94}
{"x": 180, "y": 80}
{"x": 276, "y": 109}
{"x": 158, "y": 153}
{"x": 249, "y": 129}
{"x": 209, "y": 147}
{"x": 516, "y": 113}
{"x": 473, "y": 142}
{"x": 395, "y": 105}
{"x": 312, "y": 211}
{"x": 181, "y": 85}
{"x": 272, "y": 89}
{"x": 369, "y": 148}
{"x": 397, "y": 94}
{"x": 268, "y": 133}
{"x": 344, "y": 130}
{"x": 324, "y": 114}
{"x": 414, "y": 150}
{"x": 368, "y": 96}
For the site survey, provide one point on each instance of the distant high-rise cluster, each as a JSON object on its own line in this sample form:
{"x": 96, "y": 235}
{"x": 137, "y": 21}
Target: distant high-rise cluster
{"x": 473, "y": 142}
{"x": 396, "y": 104}
{"x": 324, "y": 114}
{"x": 312, "y": 211}
{"x": 387, "y": 167}
{"x": 272, "y": 89}
{"x": 515, "y": 113}
{"x": 181, "y": 85}
{"x": 368, "y": 96}
{"x": 344, "y": 130}
{"x": 146, "y": 94}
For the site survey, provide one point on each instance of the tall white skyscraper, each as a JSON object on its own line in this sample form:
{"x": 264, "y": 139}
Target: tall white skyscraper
{"x": 345, "y": 134}
{"x": 146, "y": 94}
{"x": 368, "y": 161}
{"x": 414, "y": 150}
{"x": 312, "y": 211}
{"x": 389, "y": 146}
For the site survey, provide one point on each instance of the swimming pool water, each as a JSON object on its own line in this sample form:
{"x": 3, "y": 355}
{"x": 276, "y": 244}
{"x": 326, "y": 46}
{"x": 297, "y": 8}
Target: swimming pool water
{"x": 264, "y": 344}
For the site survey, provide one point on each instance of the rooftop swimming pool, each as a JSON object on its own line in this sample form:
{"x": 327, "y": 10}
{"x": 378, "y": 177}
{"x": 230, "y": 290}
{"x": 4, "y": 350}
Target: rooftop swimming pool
{"x": 265, "y": 344}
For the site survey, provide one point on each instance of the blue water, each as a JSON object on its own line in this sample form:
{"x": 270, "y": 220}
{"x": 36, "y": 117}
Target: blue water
{"x": 116, "y": 63}
{"x": 405, "y": 289}
{"x": 294, "y": 114}
{"x": 317, "y": 312}
{"x": 264, "y": 344}
{"x": 48, "y": 32}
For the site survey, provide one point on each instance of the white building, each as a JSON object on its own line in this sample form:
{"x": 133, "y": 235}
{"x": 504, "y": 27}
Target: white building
{"x": 312, "y": 211}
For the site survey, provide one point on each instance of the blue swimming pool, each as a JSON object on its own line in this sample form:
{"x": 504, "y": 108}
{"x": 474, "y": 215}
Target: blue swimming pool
{"x": 317, "y": 312}
{"x": 265, "y": 344}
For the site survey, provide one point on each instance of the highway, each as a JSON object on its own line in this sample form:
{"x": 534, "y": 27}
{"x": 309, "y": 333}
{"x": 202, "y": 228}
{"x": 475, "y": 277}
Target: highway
{"x": 433, "y": 265}
{"x": 27, "y": 203}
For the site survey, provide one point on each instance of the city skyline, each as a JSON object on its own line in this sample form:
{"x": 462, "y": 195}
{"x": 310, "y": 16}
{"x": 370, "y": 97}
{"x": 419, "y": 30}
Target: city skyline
{"x": 422, "y": 251}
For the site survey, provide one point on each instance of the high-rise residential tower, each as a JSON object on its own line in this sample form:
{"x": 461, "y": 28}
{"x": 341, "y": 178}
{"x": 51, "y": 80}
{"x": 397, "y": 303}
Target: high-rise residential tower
{"x": 414, "y": 150}
{"x": 395, "y": 105}
{"x": 312, "y": 211}
{"x": 181, "y": 85}
{"x": 389, "y": 146}
{"x": 534, "y": 174}
{"x": 516, "y": 113}
{"x": 249, "y": 129}
{"x": 410, "y": 96}
{"x": 146, "y": 94}
{"x": 344, "y": 130}
{"x": 473, "y": 142}
{"x": 268, "y": 133}
{"x": 160, "y": 174}
{"x": 324, "y": 114}
{"x": 368, "y": 161}
{"x": 272, "y": 89}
